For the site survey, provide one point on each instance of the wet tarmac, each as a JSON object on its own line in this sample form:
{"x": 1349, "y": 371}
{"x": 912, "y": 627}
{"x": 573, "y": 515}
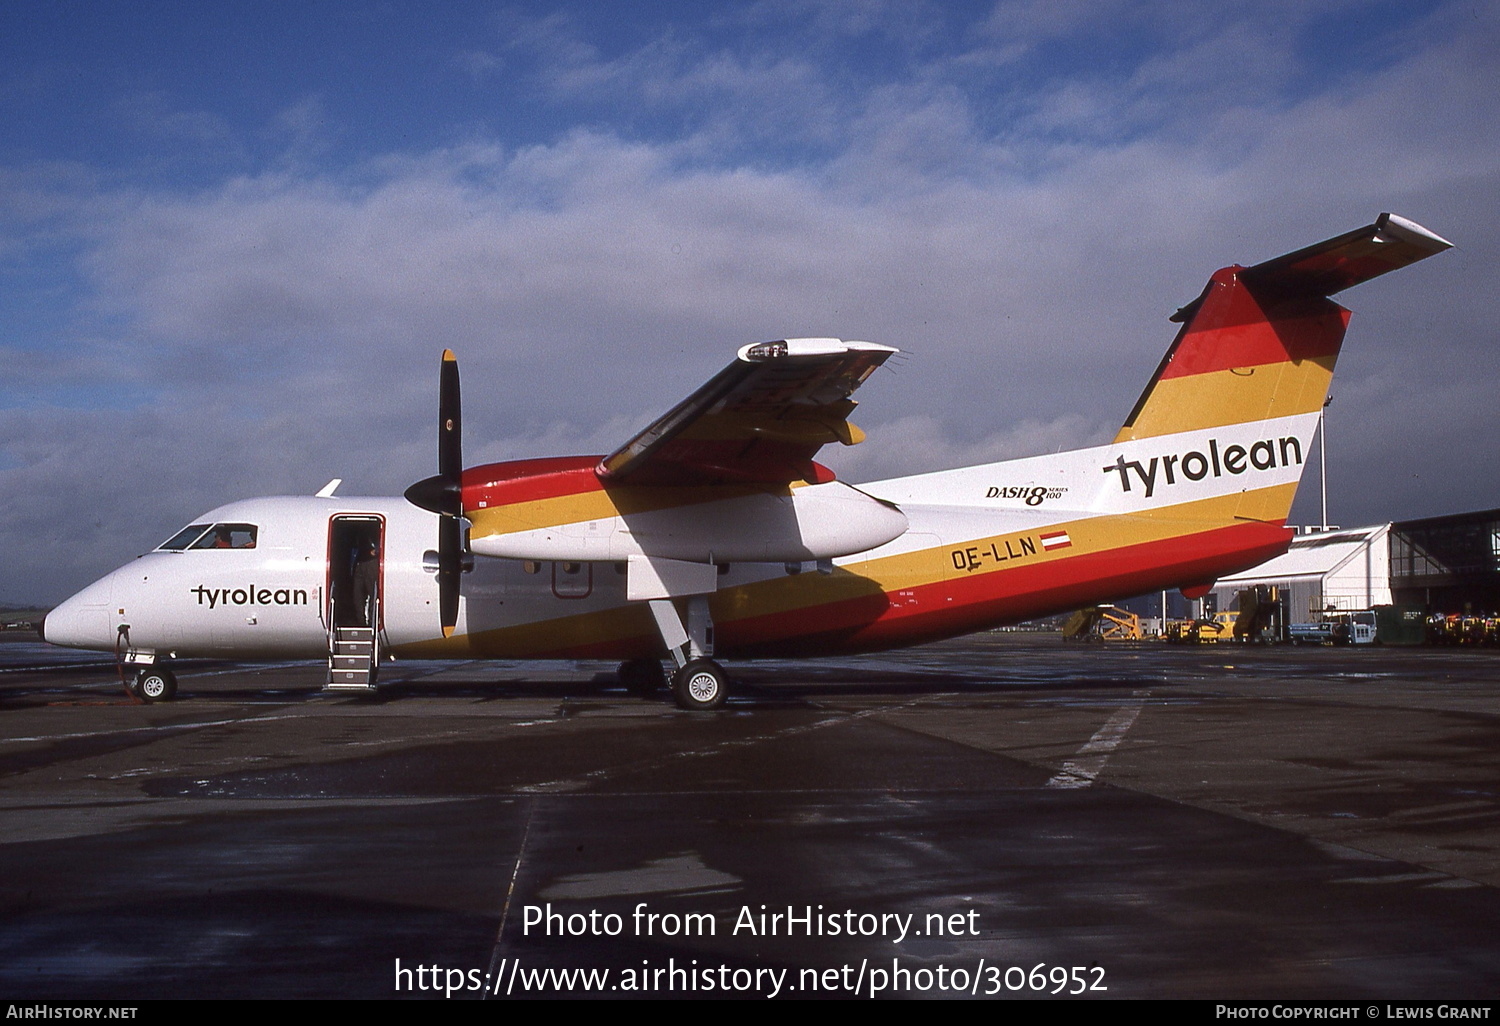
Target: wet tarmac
{"x": 1004, "y": 816}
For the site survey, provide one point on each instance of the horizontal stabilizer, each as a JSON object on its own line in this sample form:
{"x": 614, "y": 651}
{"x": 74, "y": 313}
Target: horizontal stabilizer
{"x": 1342, "y": 262}
{"x": 1390, "y": 243}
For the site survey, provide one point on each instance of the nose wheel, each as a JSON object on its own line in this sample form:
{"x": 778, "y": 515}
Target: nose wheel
{"x": 154, "y": 684}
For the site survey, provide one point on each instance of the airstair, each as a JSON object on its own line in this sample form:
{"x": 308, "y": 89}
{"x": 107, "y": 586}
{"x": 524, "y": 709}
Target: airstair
{"x": 353, "y": 659}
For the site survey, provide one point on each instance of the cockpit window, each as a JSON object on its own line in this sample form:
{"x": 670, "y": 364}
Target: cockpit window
{"x": 227, "y": 536}
{"x": 211, "y": 536}
{"x": 182, "y": 539}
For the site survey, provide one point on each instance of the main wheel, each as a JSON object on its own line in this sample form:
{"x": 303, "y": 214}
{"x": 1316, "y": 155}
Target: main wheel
{"x": 154, "y": 684}
{"x": 642, "y": 677}
{"x": 700, "y": 685}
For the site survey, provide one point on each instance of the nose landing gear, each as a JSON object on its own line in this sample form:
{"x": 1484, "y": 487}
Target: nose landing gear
{"x": 149, "y": 681}
{"x": 153, "y": 684}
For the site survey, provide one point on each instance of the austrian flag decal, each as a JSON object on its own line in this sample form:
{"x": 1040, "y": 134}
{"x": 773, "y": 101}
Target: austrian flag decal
{"x": 1056, "y": 540}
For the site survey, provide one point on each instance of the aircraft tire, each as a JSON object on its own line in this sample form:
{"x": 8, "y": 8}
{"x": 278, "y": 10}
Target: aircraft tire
{"x": 642, "y": 677}
{"x": 154, "y": 684}
{"x": 700, "y": 686}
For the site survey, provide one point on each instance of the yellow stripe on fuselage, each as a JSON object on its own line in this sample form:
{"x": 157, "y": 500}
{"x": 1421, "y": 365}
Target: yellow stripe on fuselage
{"x": 1236, "y": 396}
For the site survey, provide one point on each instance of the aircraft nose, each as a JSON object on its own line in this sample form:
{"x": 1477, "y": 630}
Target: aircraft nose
{"x": 83, "y": 620}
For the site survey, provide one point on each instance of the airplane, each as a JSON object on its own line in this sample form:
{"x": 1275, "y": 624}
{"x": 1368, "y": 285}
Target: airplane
{"x": 714, "y": 534}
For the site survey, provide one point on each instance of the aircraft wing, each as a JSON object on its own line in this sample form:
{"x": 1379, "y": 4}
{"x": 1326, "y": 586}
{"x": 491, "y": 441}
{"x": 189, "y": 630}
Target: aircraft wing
{"x": 758, "y": 421}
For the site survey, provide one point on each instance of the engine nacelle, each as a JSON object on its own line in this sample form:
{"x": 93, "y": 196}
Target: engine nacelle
{"x": 810, "y": 522}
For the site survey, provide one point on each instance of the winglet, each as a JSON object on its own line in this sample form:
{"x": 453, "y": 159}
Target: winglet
{"x": 326, "y": 492}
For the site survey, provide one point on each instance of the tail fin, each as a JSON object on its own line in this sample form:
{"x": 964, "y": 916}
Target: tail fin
{"x": 1259, "y": 344}
{"x": 1223, "y": 430}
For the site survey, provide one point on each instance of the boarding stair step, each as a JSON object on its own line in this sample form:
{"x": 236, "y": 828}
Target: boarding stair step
{"x": 353, "y": 658}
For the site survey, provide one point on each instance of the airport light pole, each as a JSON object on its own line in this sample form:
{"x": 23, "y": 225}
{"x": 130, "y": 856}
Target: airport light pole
{"x": 1323, "y": 456}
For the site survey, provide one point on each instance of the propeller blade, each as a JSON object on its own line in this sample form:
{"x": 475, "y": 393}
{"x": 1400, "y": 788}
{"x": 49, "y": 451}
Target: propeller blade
{"x": 443, "y": 493}
{"x": 450, "y": 552}
{"x": 450, "y": 430}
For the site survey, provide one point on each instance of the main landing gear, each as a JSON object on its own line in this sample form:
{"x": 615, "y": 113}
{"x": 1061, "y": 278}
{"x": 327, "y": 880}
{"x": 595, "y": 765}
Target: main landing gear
{"x": 700, "y": 684}
{"x": 153, "y": 684}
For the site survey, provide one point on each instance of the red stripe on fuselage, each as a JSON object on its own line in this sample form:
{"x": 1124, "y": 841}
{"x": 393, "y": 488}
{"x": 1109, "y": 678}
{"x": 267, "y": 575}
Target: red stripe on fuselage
{"x": 963, "y": 605}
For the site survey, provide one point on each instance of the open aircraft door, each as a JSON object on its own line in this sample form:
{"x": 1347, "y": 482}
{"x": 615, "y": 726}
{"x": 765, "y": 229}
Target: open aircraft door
{"x": 355, "y": 609}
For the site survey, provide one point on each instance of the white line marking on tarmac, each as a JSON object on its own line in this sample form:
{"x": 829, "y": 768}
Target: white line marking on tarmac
{"x": 566, "y": 784}
{"x": 163, "y": 728}
{"x": 1086, "y": 765}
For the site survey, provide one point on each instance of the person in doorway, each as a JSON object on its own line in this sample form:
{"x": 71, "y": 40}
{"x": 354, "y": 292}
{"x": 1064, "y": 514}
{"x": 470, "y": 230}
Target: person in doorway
{"x": 366, "y": 579}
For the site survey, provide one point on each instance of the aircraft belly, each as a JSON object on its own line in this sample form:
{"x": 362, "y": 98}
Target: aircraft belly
{"x": 524, "y": 609}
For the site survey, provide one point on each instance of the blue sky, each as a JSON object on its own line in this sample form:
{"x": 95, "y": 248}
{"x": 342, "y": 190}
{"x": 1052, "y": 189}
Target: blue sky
{"x": 234, "y": 237}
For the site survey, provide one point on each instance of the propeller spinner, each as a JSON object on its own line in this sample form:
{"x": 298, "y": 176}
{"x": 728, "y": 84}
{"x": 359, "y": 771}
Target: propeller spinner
{"x": 443, "y": 493}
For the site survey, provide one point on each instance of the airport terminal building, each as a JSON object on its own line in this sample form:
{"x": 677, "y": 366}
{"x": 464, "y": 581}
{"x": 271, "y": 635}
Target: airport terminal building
{"x": 1448, "y": 564}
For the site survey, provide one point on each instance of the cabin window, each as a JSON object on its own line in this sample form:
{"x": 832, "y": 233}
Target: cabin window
{"x": 572, "y": 580}
{"x": 227, "y": 536}
{"x": 531, "y": 566}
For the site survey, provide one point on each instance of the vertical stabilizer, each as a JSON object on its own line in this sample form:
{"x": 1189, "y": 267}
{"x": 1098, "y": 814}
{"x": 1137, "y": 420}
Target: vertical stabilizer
{"x": 1260, "y": 343}
{"x": 1223, "y": 431}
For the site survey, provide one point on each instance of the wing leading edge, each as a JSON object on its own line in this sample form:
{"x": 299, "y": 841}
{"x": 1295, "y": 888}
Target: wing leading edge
{"x": 758, "y": 421}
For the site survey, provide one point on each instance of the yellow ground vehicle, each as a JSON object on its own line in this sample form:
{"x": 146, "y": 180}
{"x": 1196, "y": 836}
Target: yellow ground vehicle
{"x": 1103, "y": 623}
